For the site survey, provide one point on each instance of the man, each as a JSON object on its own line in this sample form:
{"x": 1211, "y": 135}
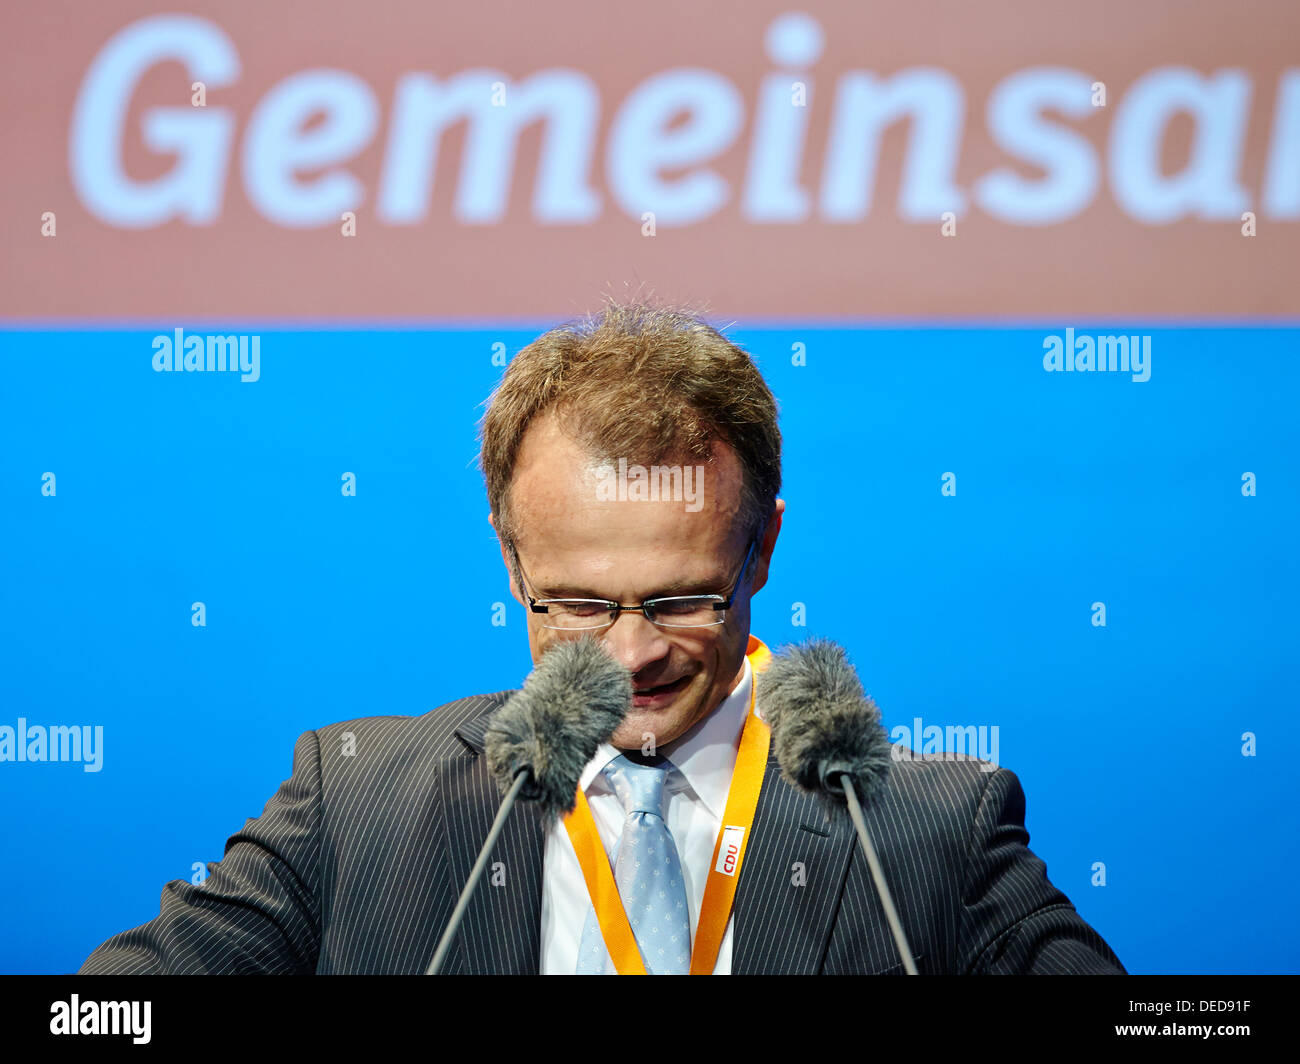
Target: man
{"x": 632, "y": 465}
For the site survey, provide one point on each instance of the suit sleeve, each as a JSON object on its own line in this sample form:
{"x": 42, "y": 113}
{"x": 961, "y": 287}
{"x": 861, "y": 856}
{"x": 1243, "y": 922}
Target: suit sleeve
{"x": 1014, "y": 922}
{"x": 258, "y": 911}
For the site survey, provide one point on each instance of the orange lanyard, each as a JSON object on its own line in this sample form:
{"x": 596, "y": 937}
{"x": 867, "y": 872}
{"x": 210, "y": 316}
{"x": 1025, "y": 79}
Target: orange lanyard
{"x": 728, "y": 850}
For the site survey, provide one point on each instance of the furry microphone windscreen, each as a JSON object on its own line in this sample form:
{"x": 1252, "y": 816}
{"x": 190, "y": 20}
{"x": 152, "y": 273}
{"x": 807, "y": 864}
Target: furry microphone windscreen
{"x": 573, "y": 701}
{"x": 822, "y": 721}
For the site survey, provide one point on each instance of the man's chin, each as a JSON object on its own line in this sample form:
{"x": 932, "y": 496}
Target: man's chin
{"x": 648, "y": 729}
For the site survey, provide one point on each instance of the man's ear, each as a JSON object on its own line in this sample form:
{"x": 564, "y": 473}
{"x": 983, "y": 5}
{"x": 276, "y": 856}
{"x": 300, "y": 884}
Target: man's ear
{"x": 768, "y": 545}
{"x": 507, "y": 561}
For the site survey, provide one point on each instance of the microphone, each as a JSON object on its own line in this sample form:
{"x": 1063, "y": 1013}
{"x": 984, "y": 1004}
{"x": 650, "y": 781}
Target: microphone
{"x": 830, "y": 742}
{"x": 540, "y": 740}
{"x": 545, "y": 734}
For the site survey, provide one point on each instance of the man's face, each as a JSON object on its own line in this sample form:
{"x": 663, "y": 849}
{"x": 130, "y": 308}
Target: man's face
{"x": 573, "y": 543}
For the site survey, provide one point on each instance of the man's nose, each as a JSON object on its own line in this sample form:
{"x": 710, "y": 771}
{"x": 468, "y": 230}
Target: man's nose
{"x": 635, "y": 643}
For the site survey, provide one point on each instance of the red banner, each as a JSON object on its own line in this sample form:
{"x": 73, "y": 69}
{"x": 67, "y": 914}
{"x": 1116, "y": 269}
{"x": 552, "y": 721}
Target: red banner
{"x": 414, "y": 160}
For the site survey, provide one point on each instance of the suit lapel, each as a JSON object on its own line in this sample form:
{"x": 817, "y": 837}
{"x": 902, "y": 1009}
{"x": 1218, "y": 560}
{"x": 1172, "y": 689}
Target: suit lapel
{"x": 791, "y": 882}
{"x": 501, "y": 932}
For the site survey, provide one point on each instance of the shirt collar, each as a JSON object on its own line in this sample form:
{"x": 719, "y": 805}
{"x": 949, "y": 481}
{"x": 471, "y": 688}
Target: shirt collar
{"x": 704, "y": 755}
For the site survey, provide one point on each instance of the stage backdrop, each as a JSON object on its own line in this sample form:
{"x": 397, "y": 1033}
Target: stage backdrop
{"x": 962, "y": 519}
{"x": 1022, "y": 278}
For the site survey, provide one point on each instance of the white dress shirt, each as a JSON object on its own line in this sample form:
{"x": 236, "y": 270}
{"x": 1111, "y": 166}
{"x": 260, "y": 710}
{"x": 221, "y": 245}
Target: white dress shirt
{"x": 695, "y": 794}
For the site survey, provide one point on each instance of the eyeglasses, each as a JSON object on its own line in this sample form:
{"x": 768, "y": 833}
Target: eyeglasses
{"x": 673, "y": 611}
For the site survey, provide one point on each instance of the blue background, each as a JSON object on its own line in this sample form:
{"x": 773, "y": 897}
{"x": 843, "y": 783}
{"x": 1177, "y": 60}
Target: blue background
{"x": 970, "y": 610}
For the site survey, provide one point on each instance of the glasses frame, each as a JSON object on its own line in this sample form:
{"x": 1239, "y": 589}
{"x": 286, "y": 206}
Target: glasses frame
{"x": 615, "y": 609}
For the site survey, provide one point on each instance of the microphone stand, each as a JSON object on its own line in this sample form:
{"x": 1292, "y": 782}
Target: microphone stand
{"x": 877, "y": 874}
{"x": 458, "y": 914}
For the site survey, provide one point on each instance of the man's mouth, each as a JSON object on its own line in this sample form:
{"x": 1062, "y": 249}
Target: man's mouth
{"x": 660, "y": 694}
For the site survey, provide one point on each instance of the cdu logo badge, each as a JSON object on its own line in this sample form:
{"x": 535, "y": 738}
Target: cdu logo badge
{"x": 729, "y": 851}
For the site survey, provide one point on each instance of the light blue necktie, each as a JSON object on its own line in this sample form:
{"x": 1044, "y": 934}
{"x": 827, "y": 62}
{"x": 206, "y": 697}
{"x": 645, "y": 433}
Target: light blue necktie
{"x": 648, "y": 873}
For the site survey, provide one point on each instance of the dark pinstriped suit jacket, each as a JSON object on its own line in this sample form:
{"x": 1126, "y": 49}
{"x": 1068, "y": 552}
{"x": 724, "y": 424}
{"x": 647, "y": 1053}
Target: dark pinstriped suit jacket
{"x": 356, "y": 862}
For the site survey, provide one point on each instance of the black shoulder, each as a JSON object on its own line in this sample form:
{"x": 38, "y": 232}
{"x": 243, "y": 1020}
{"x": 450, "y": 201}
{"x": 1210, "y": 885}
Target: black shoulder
{"x": 390, "y": 743}
{"x": 954, "y": 778}
{"x": 950, "y": 786}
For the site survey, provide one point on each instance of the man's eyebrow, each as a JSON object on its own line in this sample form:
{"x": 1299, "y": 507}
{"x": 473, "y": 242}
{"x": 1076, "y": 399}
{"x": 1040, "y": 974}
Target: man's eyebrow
{"x": 676, "y": 587}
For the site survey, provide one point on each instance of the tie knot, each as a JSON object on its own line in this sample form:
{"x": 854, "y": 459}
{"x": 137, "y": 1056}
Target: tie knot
{"x": 639, "y": 784}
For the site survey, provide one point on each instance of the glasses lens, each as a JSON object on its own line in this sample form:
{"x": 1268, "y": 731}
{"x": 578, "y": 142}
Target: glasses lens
{"x": 685, "y": 612}
{"x": 576, "y": 616}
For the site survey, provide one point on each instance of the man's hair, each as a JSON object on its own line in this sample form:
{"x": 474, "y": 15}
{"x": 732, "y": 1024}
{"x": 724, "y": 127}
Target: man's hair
{"x": 641, "y": 382}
